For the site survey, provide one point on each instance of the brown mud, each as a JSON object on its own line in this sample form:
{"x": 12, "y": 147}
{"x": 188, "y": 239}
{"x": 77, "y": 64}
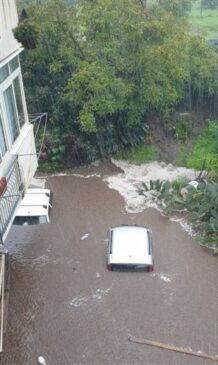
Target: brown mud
{"x": 65, "y": 306}
{"x": 169, "y": 138}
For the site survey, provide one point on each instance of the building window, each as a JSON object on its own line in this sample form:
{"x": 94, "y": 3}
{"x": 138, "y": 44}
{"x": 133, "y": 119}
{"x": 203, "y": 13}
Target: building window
{"x": 4, "y": 73}
{"x": 11, "y": 113}
{"x": 12, "y": 99}
{"x": 14, "y": 64}
{"x": 3, "y": 147}
{"x": 19, "y": 102}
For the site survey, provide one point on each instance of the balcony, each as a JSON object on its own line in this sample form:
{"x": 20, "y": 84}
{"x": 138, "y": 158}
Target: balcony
{"x": 20, "y": 169}
{"x": 10, "y": 198}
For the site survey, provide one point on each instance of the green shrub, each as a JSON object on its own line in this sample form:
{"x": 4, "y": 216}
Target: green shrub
{"x": 182, "y": 128}
{"x": 205, "y": 150}
{"x": 201, "y": 207}
{"x": 27, "y": 33}
{"x": 145, "y": 152}
{"x": 181, "y": 159}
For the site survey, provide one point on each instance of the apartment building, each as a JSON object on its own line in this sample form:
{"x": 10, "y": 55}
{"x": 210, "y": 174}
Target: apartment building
{"x": 18, "y": 159}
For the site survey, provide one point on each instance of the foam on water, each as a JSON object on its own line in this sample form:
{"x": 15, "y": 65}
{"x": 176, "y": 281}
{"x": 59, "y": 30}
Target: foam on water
{"x": 76, "y": 175}
{"x": 162, "y": 276}
{"x": 185, "y": 225}
{"x": 129, "y": 181}
{"x": 96, "y": 296}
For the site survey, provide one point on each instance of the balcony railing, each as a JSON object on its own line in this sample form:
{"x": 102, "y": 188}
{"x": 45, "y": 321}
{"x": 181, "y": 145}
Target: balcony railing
{"x": 11, "y": 197}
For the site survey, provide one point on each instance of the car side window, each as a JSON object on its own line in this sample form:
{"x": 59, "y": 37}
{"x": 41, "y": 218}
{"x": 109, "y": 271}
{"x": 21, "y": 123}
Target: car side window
{"x": 110, "y": 241}
{"x": 149, "y": 242}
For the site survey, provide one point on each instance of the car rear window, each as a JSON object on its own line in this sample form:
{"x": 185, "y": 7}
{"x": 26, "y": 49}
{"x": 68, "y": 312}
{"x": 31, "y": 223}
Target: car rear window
{"x": 130, "y": 267}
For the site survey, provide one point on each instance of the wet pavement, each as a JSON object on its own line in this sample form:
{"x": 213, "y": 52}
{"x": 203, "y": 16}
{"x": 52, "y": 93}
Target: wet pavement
{"x": 65, "y": 306}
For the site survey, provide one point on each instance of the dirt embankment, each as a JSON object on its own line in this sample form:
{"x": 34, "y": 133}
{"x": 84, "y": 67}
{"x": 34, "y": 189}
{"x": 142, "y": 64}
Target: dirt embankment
{"x": 172, "y": 134}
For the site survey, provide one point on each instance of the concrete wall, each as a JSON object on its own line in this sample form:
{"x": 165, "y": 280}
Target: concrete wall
{"x": 25, "y": 148}
{"x": 8, "y": 21}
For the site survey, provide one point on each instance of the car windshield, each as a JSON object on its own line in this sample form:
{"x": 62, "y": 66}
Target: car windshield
{"x": 24, "y": 221}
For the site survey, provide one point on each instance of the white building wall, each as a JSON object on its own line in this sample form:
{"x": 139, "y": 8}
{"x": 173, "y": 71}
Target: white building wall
{"x": 8, "y": 21}
{"x": 9, "y": 48}
{"x": 25, "y": 148}
{"x": 16, "y": 133}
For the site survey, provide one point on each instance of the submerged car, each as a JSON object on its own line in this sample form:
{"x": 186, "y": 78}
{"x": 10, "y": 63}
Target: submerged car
{"x": 35, "y": 207}
{"x": 130, "y": 249}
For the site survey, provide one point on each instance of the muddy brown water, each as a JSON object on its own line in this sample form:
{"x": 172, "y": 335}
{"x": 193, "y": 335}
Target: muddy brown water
{"x": 65, "y": 306}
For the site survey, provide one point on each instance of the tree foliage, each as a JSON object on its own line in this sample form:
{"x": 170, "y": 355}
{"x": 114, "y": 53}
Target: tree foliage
{"x": 101, "y": 67}
{"x": 209, "y": 4}
{"x": 177, "y": 7}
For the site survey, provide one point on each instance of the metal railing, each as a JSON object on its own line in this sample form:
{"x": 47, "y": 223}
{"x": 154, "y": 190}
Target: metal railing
{"x": 12, "y": 195}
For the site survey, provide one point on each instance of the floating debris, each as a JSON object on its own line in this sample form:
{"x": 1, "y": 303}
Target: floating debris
{"x": 84, "y": 236}
{"x": 187, "y": 351}
{"x": 41, "y": 360}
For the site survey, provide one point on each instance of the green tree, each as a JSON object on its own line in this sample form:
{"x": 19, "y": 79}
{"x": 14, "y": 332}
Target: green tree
{"x": 101, "y": 67}
{"x": 177, "y": 7}
{"x": 209, "y": 4}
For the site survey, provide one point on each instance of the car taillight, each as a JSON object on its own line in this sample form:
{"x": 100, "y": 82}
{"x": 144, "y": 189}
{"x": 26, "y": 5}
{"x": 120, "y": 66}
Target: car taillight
{"x": 109, "y": 267}
{"x": 150, "y": 268}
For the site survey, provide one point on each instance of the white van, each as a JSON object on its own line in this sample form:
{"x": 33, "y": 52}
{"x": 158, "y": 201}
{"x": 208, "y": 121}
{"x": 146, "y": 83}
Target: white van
{"x": 35, "y": 207}
{"x": 130, "y": 249}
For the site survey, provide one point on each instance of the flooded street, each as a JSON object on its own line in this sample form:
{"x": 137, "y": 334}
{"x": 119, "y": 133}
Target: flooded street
{"x": 65, "y": 306}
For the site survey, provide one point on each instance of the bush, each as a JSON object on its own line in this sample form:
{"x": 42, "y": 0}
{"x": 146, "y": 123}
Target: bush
{"x": 201, "y": 207}
{"x": 205, "y": 151}
{"x": 145, "y": 152}
{"x": 27, "y": 33}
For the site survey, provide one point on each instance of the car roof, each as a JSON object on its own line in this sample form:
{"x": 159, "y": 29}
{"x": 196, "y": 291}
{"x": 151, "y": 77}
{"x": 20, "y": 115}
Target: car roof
{"x": 36, "y": 197}
{"x": 130, "y": 245}
{"x": 35, "y": 202}
{"x": 32, "y": 211}
{"x": 38, "y": 191}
